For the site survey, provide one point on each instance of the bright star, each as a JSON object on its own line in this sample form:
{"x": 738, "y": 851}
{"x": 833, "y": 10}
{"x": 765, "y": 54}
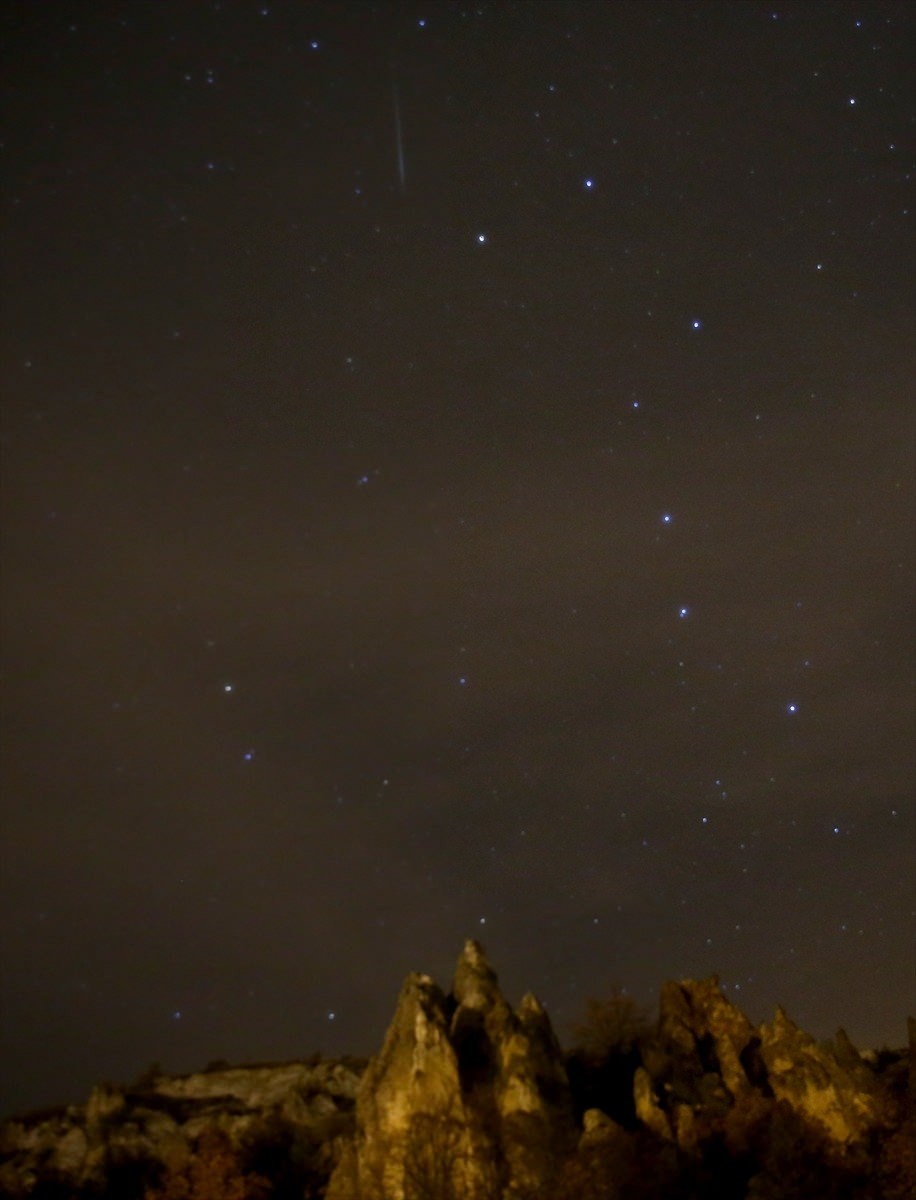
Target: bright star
{"x": 482, "y": 239}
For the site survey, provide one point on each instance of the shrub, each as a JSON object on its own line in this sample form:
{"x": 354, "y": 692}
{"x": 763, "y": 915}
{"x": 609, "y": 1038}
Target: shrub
{"x": 212, "y": 1173}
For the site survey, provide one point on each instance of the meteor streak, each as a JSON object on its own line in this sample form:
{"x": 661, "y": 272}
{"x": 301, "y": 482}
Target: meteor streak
{"x": 399, "y": 137}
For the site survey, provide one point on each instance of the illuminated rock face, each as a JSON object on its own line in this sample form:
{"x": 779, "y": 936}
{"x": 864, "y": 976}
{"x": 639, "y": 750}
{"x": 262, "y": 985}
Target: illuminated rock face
{"x": 466, "y": 1098}
{"x": 469, "y": 1099}
{"x": 706, "y": 1055}
{"x": 828, "y": 1084}
{"x": 160, "y": 1118}
{"x": 701, "y": 1059}
{"x": 712, "y": 1034}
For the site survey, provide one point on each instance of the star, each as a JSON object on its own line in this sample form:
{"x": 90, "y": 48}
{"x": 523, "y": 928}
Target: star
{"x": 344, "y": 435}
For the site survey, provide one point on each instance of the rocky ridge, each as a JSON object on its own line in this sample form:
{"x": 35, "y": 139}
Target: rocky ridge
{"x": 128, "y": 1132}
{"x": 470, "y": 1099}
{"x": 467, "y": 1097}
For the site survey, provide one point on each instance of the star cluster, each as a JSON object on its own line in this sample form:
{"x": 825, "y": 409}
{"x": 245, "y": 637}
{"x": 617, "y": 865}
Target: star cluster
{"x": 458, "y": 480}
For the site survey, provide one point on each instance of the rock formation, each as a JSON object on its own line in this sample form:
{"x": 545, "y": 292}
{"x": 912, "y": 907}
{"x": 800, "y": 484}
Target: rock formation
{"x": 466, "y": 1098}
{"x": 469, "y": 1099}
{"x": 707, "y": 1055}
{"x": 158, "y": 1121}
{"x": 648, "y": 1110}
{"x": 828, "y": 1084}
{"x": 707, "y": 1032}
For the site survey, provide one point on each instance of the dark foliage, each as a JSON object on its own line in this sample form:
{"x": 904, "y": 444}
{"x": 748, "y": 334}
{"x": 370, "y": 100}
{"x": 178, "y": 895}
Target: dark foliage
{"x": 129, "y": 1177}
{"x": 297, "y": 1161}
{"x": 52, "y": 1186}
{"x": 607, "y": 1051}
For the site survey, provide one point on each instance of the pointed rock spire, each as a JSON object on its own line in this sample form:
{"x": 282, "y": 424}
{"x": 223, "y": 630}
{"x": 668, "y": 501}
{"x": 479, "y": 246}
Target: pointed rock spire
{"x": 462, "y": 1088}
{"x": 475, "y": 983}
{"x": 826, "y": 1083}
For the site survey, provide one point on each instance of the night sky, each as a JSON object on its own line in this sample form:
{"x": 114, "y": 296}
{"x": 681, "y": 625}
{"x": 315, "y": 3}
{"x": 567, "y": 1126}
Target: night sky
{"x": 457, "y": 481}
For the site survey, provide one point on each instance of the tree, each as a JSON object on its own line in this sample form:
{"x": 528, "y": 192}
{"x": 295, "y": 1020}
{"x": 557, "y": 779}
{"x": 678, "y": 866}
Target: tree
{"x": 606, "y": 1054}
{"x": 436, "y": 1158}
{"x": 612, "y": 1026}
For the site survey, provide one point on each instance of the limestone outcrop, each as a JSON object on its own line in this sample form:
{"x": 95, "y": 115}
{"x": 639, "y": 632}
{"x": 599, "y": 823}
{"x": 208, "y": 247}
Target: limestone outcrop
{"x": 706, "y": 1056}
{"x": 709, "y": 1033}
{"x": 467, "y": 1098}
{"x": 157, "y": 1121}
{"x": 829, "y": 1084}
{"x": 648, "y": 1109}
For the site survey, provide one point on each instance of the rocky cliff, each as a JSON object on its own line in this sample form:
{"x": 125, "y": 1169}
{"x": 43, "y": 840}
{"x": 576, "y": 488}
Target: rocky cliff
{"x": 467, "y": 1097}
{"x": 470, "y": 1099}
{"x": 706, "y": 1056}
{"x": 124, "y": 1138}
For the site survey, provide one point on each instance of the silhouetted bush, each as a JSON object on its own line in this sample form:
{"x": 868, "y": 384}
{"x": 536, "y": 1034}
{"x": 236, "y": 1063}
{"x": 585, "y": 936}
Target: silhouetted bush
{"x": 623, "y": 1165}
{"x": 52, "y": 1186}
{"x": 897, "y": 1161}
{"x": 296, "y": 1160}
{"x": 612, "y": 1026}
{"x": 128, "y": 1175}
